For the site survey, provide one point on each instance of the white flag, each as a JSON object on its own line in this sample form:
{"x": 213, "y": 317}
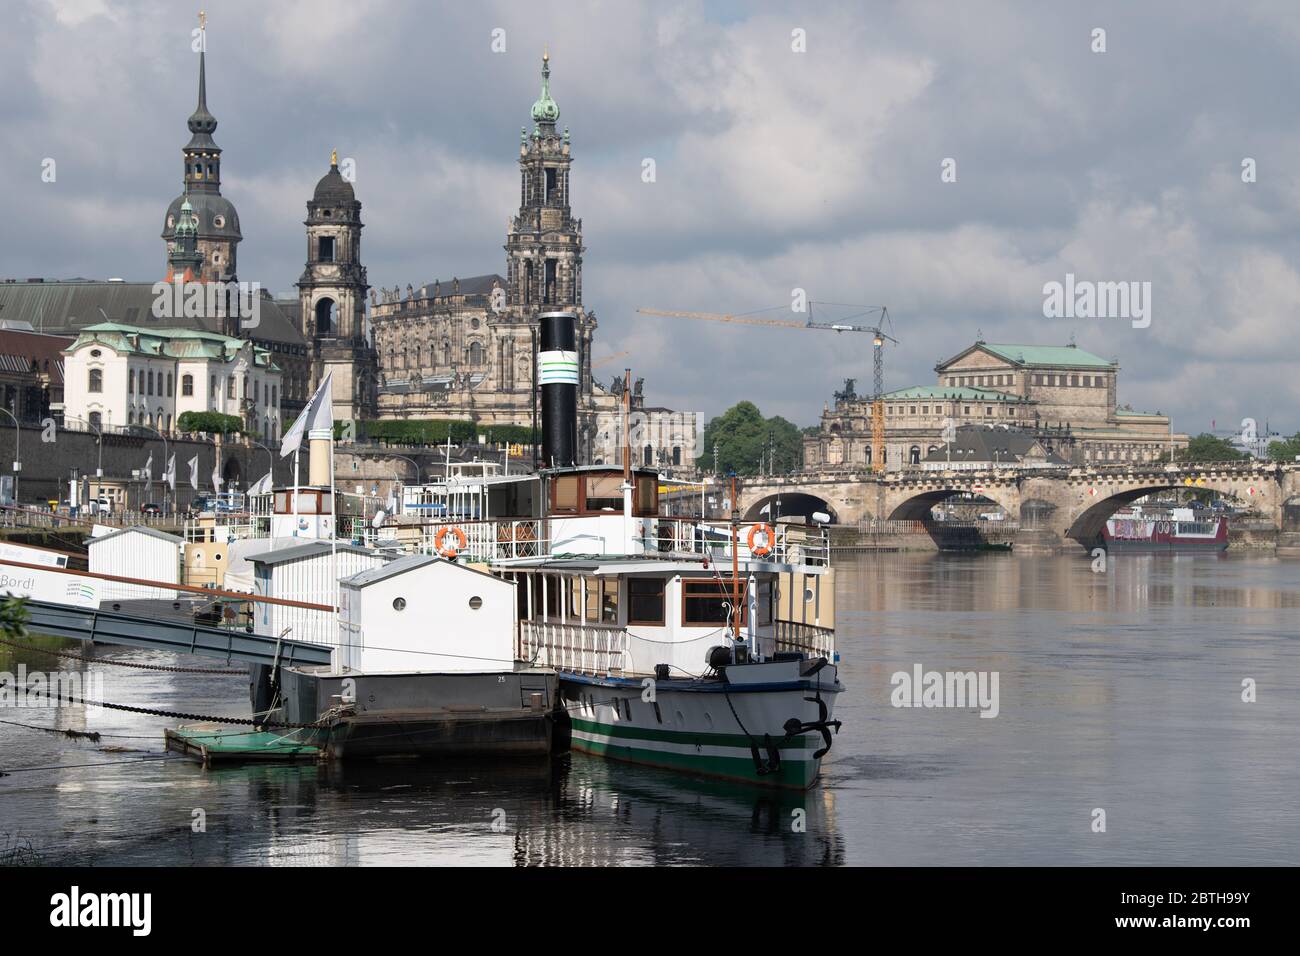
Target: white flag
{"x": 216, "y": 479}
{"x": 148, "y": 474}
{"x": 262, "y": 486}
{"x": 169, "y": 473}
{"x": 318, "y": 415}
{"x": 194, "y": 472}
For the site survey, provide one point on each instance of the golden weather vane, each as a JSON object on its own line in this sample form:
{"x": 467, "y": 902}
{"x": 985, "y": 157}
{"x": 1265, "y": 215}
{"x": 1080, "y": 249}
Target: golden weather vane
{"x": 203, "y": 20}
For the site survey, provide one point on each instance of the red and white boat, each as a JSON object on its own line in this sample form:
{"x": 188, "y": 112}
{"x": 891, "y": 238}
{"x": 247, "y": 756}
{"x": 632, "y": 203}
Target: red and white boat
{"x": 1176, "y": 533}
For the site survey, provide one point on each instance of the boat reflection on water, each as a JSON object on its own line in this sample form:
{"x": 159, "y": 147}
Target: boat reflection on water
{"x": 571, "y": 811}
{"x": 611, "y": 814}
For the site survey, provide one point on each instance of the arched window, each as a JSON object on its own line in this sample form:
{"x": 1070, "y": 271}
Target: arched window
{"x": 475, "y": 353}
{"x": 96, "y": 419}
{"x": 169, "y": 385}
{"x": 150, "y": 383}
{"x": 95, "y": 381}
{"x": 130, "y": 383}
{"x": 914, "y": 455}
{"x": 275, "y": 401}
{"x": 187, "y": 384}
{"x": 648, "y": 455}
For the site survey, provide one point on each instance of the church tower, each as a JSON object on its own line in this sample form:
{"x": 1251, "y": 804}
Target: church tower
{"x": 184, "y": 261}
{"x": 216, "y": 222}
{"x": 332, "y": 292}
{"x": 544, "y": 242}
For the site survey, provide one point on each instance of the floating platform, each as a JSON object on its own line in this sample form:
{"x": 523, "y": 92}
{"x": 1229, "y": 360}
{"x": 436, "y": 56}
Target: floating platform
{"x": 212, "y": 744}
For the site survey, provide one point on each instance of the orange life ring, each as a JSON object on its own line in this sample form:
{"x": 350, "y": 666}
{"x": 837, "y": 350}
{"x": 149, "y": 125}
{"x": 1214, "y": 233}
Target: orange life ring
{"x": 763, "y": 549}
{"x": 449, "y": 551}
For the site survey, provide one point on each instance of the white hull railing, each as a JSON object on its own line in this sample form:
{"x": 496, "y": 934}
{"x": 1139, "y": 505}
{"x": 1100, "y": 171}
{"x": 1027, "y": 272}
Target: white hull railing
{"x": 792, "y": 544}
{"x": 580, "y": 648}
{"x": 488, "y": 540}
{"x": 805, "y": 639}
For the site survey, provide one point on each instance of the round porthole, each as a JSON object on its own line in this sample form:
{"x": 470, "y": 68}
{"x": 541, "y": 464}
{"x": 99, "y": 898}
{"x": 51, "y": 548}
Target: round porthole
{"x": 219, "y": 221}
{"x": 399, "y": 604}
{"x": 171, "y": 221}
{"x": 95, "y": 353}
{"x": 476, "y": 602}
{"x": 216, "y": 557}
{"x": 807, "y": 595}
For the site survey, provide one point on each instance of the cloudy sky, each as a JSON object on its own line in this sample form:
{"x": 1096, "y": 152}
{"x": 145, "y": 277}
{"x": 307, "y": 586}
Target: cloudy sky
{"x": 776, "y": 169}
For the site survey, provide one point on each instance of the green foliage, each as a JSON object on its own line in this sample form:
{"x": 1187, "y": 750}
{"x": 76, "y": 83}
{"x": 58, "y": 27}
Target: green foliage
{"x": 13, "y": 617}
{"x": 436, "y": 431}
{"x": 1285, "y": 450}
{"x": 213, "y": 423}
{"x": 745, "y": 439}
{"x": 1207, "y": 447}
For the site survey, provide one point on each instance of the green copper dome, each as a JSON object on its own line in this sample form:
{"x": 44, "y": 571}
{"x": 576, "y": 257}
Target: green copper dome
{"x": 546, "y": 110}
{"x": 187, "y": 224}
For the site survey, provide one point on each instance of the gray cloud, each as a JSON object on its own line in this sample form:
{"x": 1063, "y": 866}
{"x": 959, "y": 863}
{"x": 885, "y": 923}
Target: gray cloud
{"x": 775, "y": 169}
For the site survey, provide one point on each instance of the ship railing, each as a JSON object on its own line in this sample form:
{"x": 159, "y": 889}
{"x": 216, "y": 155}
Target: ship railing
{"x": 503, "y": 540}
{"x": 805, "y": 639}
{"x": 580, "y": 648}
{"x": 784, "y": 543}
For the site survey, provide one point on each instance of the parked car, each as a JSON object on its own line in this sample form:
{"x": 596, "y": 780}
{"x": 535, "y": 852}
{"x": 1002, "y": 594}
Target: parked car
{"x": 151, "y": 508}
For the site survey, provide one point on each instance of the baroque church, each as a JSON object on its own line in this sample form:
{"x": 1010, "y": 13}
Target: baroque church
{"x": 459, "y": 348}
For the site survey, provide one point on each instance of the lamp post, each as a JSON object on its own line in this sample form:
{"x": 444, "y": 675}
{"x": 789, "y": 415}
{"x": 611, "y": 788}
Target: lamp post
{"x": 164, "y": 441}
{"x": 399, "y": 477}
{"x": 99, "y": 467}
{"x": 270, "y": 458}
{"x": 18, "y": 458}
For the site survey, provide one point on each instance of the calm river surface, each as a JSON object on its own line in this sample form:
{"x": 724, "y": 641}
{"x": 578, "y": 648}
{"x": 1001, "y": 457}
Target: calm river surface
{"x": 1119, "y": 690}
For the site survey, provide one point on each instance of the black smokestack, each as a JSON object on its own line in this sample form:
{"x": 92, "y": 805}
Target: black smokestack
{"x": 557, "y": 365}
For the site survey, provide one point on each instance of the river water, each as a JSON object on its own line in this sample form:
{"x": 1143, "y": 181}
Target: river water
{"x": 1118, "y": 690}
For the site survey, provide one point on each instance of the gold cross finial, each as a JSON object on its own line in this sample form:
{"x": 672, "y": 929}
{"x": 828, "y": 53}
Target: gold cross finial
{"x": 334, "y": 157}
{"x": 203, "y": 20}
{"x": 546, "y": 52}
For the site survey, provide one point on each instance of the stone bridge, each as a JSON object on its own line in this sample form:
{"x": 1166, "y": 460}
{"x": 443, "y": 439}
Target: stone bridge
{"x": 1052, "y": 505}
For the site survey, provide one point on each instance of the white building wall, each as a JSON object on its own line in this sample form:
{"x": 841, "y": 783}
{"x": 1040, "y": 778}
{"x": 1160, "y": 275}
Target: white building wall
{"x": 310, "y": 580}
{"x": 136, "y": 555}
{"x": 436, "y": 629}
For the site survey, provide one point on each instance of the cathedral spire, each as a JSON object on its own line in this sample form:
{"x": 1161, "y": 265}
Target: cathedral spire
{"x": 546, "y": 111}
{"x": 202, "y": 123}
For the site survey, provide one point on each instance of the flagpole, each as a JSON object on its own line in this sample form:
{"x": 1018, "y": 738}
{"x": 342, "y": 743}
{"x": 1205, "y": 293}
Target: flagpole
{"x": 294, "y": 494}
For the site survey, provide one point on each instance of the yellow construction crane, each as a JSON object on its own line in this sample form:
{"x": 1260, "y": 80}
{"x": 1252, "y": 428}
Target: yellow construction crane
{"x": 878, "y": 338}
{"x": 606, "y": 359}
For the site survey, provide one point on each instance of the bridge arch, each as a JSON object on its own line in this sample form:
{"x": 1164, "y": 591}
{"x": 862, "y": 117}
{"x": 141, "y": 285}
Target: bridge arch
{"x": 917, "y": 507}
{"x": 792, "y": 504}
{"x": 1087, "y": 527}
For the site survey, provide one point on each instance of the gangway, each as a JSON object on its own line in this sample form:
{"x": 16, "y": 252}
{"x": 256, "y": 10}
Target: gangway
{"x": 129, "y": 630}
{"x": 156, "y": 631}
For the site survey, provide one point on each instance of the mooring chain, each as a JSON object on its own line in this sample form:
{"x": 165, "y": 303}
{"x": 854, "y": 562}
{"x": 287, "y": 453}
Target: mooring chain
{"x": 148, "y": 667}
{"x": 152, "y": 712}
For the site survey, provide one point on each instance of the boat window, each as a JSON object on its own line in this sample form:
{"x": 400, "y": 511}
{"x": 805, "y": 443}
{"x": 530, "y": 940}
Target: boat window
{"x": 602, "y": 599}
{"x": 566, "y": 493}
{"x": 647, "y": 495}
{"x": 705, "y": 603}
{"x": 604, "y": 493}
{"x": 645, "y": 600}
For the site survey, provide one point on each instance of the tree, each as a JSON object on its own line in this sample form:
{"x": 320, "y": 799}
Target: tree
{"x": 747, "y": 441}
{"x": 1207, "y": 447}
{"x": 213, "y": 423}
{"x": 1285, "y": 450}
